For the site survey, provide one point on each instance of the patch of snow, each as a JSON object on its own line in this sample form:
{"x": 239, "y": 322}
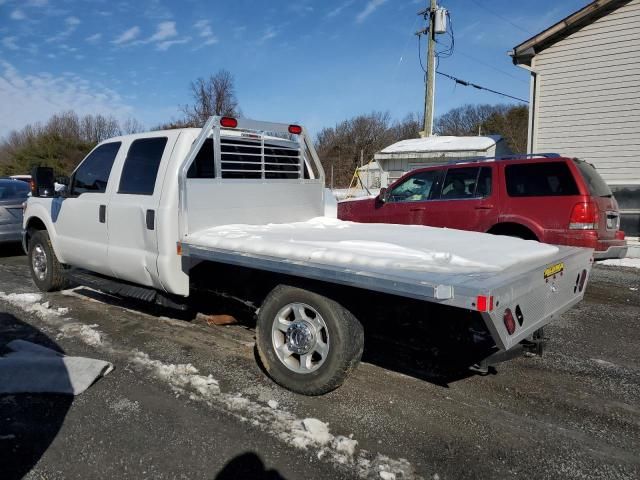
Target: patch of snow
{"x": 19, "y": 299}
{"x": 180, "y": 377}
{"x": 310, "y": 431}
{"x": 87, "y": 333}
{"x": 401, "y": 250}
{"x": 272, "y": 404}
{"x": 384, "y": 475}
{"x": 622, "y": 262}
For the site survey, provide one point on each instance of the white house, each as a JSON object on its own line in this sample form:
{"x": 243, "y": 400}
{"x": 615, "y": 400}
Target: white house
{"x": 585, "y": 95}
{"x": 406, "y": 155}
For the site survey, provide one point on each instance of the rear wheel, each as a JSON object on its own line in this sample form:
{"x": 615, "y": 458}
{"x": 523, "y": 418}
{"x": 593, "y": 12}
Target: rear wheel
{"x": 46, "y": 271}
{"x": 308, "y": 343}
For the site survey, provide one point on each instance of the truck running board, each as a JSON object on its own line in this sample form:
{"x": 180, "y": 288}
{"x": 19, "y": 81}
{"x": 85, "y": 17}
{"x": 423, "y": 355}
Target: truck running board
{"x": 124, "y": 289}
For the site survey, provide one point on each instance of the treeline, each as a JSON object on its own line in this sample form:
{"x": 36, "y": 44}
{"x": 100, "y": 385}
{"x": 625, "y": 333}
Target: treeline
{"x": 61, "y": 142}
{"x": 343, "y": 147}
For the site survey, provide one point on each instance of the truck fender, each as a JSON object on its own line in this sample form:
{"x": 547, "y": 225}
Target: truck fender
{"x": 38, "y": 217}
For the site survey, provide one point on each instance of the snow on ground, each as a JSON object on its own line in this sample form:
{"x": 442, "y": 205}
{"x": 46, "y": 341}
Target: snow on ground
{"x": 622, "y": 262}
{"x": 380, "y": 248}
{"x": 343, "y": 194}
{"x": 185, "y": 379}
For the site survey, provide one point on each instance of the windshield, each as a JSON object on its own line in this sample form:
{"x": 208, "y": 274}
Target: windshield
{"x": 597, "y": 186}
{"x": 13, "y": 190}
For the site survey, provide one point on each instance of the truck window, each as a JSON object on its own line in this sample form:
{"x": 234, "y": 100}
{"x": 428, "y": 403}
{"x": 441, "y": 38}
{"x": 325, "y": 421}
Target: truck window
{"x": 416, "y": 188}
{"x": 203, "y": 165}
{"x": 460, "y": 183}
{"x": 141, "y": 166}
{"x": 93, "y": 173}
{"x": 540, "y": 180}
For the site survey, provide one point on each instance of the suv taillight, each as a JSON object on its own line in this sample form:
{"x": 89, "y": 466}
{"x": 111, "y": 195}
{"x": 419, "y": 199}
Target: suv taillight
{"x": 584, "y": 216}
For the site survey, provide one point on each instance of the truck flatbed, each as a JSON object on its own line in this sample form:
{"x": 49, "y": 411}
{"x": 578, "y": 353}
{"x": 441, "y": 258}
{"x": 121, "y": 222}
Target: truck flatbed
{"x": 463, "y": 269}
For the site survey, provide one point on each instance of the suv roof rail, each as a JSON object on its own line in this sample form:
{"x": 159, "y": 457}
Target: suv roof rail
{"x": 522, "y": 156}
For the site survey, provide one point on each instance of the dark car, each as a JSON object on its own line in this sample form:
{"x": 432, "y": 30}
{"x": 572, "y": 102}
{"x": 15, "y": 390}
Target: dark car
{"x": 551, "y": 199}
{"x": 12, "y": 195}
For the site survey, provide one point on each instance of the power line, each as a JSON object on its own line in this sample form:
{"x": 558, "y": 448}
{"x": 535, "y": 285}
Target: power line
{"x": 465, "y": 83}
{"x": 491, "y": 66}
{"x": 493, "y": 12}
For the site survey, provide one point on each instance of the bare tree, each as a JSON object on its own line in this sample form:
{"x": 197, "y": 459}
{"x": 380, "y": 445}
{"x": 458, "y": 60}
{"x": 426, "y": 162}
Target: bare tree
{"x": 212, "y": 96}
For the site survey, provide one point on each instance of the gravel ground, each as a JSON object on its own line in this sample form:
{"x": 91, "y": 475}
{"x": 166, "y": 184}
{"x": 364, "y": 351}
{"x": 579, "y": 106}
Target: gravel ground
{"x": 188, "y": 400}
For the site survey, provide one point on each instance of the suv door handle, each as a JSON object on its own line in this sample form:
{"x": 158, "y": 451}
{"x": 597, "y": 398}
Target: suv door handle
{"x": 417, "y": 209}
{"x": 151, "y": 219}
{"x": 102, "y": 214}
{"x": 484, "y": 207}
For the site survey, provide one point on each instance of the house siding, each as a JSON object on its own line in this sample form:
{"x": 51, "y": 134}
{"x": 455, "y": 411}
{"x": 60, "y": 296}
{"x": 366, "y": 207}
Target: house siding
{"x": 587, "y": 97}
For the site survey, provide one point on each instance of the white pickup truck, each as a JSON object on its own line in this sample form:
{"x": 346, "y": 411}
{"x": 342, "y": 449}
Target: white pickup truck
{"x": 237, "y": 208}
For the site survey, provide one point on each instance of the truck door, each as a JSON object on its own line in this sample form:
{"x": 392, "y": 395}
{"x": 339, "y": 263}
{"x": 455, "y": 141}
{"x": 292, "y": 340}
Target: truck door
{"x": 132, "y": 211}
{"x": 466, "y": 201}
{"x": 79, "y": 218}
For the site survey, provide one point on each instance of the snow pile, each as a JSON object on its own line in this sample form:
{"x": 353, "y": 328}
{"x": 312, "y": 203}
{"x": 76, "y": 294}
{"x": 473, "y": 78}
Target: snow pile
{"x": 29, "y": 303}
{"x": 87, "y": 333}
{"x": 622, "y": 262}
{"x": 401, "y": 250}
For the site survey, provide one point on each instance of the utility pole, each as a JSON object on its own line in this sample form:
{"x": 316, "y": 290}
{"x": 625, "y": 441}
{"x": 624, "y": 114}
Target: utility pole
{"x": 431, "y": 68}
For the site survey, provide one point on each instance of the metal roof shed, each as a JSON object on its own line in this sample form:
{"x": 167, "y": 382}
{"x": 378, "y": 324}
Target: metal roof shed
{"x": 406, "y": 155}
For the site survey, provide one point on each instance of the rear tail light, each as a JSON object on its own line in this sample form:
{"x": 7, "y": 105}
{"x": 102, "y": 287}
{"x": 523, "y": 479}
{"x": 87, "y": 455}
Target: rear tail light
{"x": 228, "y": 122}
{"x": 584, "y": 216}
{"x": 509, "y": 322}
{"x": 619, "y": 235}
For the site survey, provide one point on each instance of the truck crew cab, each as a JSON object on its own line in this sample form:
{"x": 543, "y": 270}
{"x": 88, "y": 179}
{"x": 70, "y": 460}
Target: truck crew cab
{"x": 237, "y": 208}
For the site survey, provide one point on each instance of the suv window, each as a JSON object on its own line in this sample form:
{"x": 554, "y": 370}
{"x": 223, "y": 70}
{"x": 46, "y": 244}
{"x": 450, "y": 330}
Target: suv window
{"x": 540, "y": 180}
{"x": 597, "y": 186}
{"x": 93, "y": 173}
{"x": 203, "y": 166}
{"x": 141, "y": 166}
{"x": 467, "y": 182}
{"x": 13, "y": 190}
{"x": 416, "y": 188}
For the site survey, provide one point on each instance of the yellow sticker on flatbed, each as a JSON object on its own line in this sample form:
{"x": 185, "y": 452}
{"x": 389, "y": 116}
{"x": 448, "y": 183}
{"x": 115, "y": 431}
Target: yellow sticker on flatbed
{"x": 553, "y": 270}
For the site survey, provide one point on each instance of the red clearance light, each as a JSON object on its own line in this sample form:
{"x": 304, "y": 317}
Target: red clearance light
{"x": 584, "y": 216}
{"x": 228, "y": 122}
{"x": 509, "y": 322}
{"x": 295, "y": 129}
{"x": 484, "y": 303}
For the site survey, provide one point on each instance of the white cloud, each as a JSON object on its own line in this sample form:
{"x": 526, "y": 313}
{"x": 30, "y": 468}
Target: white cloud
{"x": 164, "y": 31}
{"x": 371, "y": 7}
{"x": 127, "y": 36}
{"x": 162, "y": 46}
{"x": 18, "y": 14}
{"x": 205, "y": 32}
{"x": 269, "y": 33}
{"x": 72, "y": 21}
{"x": 10, "y": 43}
{"x": 94, "y": 38}
{"x": 338, "y": 10}
{"x": 31, "y": 98}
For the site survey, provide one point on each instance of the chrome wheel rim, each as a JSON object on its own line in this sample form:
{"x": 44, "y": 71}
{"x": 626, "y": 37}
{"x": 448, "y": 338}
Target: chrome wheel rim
{"x": 300, "y": 338}
{"x": 39, "y": 262}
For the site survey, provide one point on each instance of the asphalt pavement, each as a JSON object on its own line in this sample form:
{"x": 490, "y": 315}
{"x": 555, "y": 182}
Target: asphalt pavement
{"x": 188, "y": 400}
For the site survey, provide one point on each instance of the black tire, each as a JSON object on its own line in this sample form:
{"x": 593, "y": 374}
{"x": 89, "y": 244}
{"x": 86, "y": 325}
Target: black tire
{"x": 345, "y": 341}
{"x": 52, "y": 278}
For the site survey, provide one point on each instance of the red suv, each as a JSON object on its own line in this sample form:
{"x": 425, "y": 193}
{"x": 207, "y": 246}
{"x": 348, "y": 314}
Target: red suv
{"x": 542, "y": 197}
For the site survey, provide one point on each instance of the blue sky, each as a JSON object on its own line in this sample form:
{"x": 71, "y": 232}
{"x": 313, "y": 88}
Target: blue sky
{"x": 309, "y": 61}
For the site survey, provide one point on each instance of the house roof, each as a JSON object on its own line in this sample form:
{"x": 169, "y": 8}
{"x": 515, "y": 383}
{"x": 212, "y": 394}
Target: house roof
{"x": 442, "y": 144}
{"x": 523, "y": 53}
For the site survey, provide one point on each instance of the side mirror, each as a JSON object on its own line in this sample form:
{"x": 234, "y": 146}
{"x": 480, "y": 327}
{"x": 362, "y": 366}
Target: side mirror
{"x": 42, "y": 182}
{"x": 383, "y": 195}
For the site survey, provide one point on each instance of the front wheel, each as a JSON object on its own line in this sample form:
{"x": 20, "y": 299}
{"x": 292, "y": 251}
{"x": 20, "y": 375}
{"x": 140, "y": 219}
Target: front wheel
{"x": 46, "y": 271}
{"x": 307, "y": 342}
